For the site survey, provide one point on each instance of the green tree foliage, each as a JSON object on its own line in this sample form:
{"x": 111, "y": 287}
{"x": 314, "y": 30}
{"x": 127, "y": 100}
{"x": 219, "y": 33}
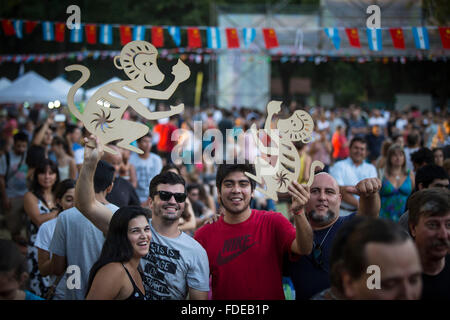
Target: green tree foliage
{"x": 437, "y": 11}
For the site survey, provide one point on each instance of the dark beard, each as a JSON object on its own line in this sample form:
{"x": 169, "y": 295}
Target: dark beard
{"x": 321, "y": 220}
{"x": 169, "y": 219}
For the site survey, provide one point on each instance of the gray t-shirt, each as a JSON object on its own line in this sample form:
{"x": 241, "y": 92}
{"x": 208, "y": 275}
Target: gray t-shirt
{"x": 77, "y": 239}
{"x": 146, "y": 169}
{"x": 174, "y": 265}
{"x": 17, "y": 177}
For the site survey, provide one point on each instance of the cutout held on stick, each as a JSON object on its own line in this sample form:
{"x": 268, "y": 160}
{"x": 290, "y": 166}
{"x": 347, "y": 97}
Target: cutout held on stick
{"x": 104, "y": 110}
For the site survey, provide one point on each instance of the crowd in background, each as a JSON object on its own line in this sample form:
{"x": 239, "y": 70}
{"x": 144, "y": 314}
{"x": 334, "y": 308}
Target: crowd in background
{"x": 41, "y": 157}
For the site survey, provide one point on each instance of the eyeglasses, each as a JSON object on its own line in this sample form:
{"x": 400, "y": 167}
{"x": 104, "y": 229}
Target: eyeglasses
{"x": 166, "y": 196}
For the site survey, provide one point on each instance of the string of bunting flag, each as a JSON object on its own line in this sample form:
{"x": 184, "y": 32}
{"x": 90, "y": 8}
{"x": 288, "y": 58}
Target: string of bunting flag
{"x": 103, "y": 34}
{"x": 206, "y": 55}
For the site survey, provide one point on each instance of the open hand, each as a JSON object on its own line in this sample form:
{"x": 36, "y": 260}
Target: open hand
{"x": 300, "y": 195}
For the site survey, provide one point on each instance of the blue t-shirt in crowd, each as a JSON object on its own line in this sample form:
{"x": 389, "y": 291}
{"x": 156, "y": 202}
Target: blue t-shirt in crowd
{"x": 308, "y": 276}
{"x": 31, "y": 296}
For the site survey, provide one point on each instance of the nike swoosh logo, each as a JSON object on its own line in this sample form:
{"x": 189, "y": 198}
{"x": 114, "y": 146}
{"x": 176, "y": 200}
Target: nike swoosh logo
{"x": 224, "y": 260}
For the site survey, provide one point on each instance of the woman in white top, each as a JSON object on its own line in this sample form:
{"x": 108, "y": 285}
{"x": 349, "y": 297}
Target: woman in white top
{"x": 65, "y": 199}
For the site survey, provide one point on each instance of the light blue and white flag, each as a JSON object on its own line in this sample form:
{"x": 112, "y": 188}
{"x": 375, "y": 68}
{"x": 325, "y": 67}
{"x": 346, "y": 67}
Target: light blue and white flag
{"x": 249, "y": 35}
{"x": 18, "y": 28}
{"x": 48, "y": 33}
{"x": 76, "y": 35}
{"x": 421, "y": 37}
{"x": 176, "y": 36}
{"x": 333, "y": 34}
{"x": 106, "y": 34}
{"x": 213, "y": 36}
{"x": 374, "y": 39}
{"x": 139, "y": 33}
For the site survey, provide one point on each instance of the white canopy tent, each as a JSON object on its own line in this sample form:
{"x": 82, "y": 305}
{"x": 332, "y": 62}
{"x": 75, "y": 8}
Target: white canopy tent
{"x": 4, "y": 83}
{"x": 32, "y": 88}
{"x": 64, "y": 86}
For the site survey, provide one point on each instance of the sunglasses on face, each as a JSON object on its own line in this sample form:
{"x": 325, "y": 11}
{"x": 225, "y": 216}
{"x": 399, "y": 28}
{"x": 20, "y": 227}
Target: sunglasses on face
{"x": 166, "y": 196}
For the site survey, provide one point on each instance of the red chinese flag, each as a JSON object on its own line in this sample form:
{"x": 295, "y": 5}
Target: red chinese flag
{"x": 397, "y": 38}
{"x": 125, "y": 35}
{"x": 60, "y": 30}
{"x": 158, "y": 37}
{"x": 194, "y": 38}
{"x": 270, "y": 38}
{"x": 29, "y": 26}
{"x": 8, "y": 28}
{"x": 232, "y": 38}
{"x": 445, "y": 37}
{"x": 353, "y": 37}
{"x": 91, "y": 33}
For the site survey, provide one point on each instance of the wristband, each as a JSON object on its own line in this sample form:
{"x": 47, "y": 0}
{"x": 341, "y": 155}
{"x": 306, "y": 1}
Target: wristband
{"x": 299, "y": 212}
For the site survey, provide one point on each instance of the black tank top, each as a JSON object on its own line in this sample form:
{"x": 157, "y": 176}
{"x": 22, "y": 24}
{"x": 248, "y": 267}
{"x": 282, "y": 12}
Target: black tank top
{"x": 136, "y": 294}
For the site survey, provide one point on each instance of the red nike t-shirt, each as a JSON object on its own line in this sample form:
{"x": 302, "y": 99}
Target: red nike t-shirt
{"x": 245, "y": 259}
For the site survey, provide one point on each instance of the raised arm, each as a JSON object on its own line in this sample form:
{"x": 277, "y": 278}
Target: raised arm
{"x": 303, "y": 242}
{"x": 85, "y": 200}
{"x": 39, "y": 136}
{"x": 369, "y": 197}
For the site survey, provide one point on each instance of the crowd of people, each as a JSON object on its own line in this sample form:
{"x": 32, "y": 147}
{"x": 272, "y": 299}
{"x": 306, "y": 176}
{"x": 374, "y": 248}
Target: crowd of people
{"x": 176, "y": 223}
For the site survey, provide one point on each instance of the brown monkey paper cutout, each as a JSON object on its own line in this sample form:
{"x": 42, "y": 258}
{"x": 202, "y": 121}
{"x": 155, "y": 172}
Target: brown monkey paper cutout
{"x": 277, "y": 178}
{"x": 104, "y": 110}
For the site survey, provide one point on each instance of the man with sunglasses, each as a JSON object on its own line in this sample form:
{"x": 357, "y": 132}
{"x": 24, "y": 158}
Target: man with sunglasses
{"x": 176, "y": 264}
{"x": 310, "y": 274}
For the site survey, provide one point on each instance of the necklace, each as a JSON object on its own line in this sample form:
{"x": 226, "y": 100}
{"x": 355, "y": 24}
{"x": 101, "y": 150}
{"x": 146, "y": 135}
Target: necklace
{"x": 326, "y": 235}
{"x": 317, "y": 252}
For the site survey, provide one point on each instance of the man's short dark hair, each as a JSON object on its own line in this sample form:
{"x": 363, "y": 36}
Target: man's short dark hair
{"x": 428, "y": 202}
{"x": 12, "y": 259}
{"x": 358, "y": 139}
{"x": 103, "y": 176}
{"x": 428, "y": 173}
{"x": 192, "y": 186}
{"x": 373, "y": 230}
{"x": 337, "y": 250}
{"x": 412, "y": 139}
{"x": 70, "y": 128}
{"x": 225, "y": 169}
{"x": 167, "y": 177}
{"x": 422, "y": 156}
{"x": 148, "y": 134}
{"x": 20, "y": 136}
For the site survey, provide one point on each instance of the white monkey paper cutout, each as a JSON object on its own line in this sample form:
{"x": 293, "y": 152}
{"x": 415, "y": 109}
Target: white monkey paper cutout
{"x": 104, "y": 110}
{"x": 277, "y": 178}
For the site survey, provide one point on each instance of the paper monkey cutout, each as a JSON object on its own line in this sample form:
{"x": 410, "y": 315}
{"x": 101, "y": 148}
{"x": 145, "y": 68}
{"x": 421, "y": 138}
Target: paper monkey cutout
{"x": 277, "y": 178}
{"x": 104, "y": 110}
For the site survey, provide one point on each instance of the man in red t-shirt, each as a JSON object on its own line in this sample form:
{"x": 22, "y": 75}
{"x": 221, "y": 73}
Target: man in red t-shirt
{"x": 340, "y": 144}
{"x": 245, "y": 247}
{"x": 165, "y": 128}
